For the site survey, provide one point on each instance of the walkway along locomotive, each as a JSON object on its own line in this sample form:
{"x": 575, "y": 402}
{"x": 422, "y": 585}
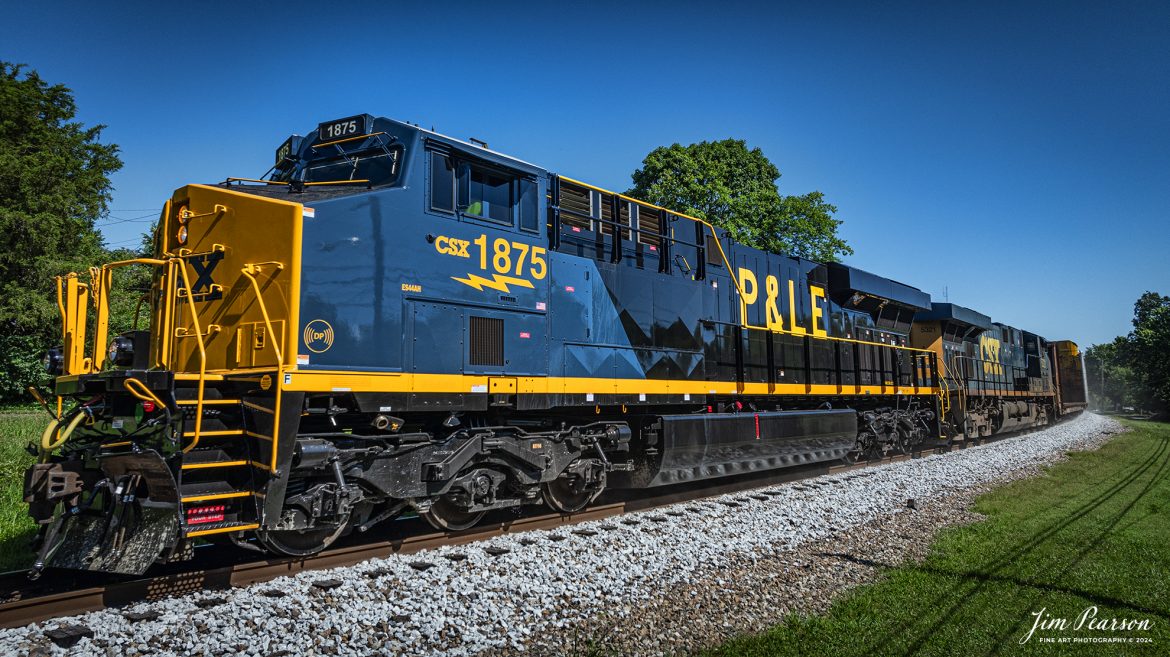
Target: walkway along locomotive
{"x": 393, "y": 321}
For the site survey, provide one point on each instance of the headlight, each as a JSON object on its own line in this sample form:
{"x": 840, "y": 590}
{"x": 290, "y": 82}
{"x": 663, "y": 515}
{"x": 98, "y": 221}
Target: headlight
{"x": 182, "y": 235}
{"x": 55, "y": 361}
{"x": 122, "y": 351}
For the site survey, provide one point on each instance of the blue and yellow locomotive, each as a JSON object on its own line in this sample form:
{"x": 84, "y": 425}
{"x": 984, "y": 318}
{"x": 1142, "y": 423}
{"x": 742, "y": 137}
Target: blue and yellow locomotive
{"x": 396, "y": 321}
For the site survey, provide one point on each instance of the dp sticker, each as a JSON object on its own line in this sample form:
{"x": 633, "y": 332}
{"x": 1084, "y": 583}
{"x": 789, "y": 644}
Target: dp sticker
{"x": 318, "y": 336}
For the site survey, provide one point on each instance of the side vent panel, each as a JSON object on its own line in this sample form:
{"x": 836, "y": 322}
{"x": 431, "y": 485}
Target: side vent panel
{"x": 486, "y": 341}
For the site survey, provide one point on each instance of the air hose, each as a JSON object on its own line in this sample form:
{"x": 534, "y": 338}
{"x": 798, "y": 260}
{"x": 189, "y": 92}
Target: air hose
{"x": 47, "y": 442}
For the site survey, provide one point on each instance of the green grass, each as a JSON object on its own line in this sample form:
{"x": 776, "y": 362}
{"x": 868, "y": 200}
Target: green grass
{"x": 1093, "y": 531}
{"x": 18, "y": 427}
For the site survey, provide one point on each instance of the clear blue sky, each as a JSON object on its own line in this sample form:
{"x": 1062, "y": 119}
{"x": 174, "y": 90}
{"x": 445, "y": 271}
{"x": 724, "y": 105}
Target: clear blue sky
{"x": 1015, "y": 154}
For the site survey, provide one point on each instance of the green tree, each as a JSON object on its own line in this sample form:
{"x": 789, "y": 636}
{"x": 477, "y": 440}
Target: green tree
{"x": 1112, "y": 384}
{"x": 54, "y": 185}
{"x": 1134, "y": 370}
{"x": 735, "y": 188}
{"x": 1148, "y": 350}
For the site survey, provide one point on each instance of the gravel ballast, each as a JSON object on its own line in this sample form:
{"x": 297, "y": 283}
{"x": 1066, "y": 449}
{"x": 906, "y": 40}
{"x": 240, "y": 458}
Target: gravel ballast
{"x": 657, "y": 582}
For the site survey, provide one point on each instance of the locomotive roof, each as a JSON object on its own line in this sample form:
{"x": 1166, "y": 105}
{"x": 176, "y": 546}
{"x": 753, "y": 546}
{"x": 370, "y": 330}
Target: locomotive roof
{"x": 951, "y": 312}
{"x": 851, "y": 279}
{"x": 478, "y": 150}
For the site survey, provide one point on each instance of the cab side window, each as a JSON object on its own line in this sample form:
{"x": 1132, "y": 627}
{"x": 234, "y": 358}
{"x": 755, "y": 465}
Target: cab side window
{"x": 529, "y": 216}
{"x": 488, "y": 196}
{"x": 442, "y": 183}
{"x": 483, "y": 192}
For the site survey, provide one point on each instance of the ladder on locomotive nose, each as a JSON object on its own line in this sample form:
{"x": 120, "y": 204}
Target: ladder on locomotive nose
{"x": 253, "y": 424}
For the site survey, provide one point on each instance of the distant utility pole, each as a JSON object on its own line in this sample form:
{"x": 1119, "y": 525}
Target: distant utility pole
{"x": 1101, "y": 368}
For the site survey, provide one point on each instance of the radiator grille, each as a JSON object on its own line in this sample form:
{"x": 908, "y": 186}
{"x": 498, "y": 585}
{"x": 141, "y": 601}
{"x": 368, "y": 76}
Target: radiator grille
{"x": 487, "y": 341}
{"x": 649, "y": 227}
{"x": 577, "y": 201}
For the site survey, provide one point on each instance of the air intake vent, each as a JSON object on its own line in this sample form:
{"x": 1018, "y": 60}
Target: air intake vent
{"x": 487, "y": 341}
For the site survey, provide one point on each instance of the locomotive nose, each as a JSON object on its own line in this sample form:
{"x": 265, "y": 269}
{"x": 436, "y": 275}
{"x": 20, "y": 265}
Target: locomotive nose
{"x": 238, "y": 257}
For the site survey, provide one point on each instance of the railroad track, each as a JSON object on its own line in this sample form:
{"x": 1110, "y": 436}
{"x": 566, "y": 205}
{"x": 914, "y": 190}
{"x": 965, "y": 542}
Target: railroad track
{"x": 25, "y": 602}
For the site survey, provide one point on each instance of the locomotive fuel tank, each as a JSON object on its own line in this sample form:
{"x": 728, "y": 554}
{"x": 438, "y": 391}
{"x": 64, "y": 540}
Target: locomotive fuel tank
{"x": 692, "y": 447}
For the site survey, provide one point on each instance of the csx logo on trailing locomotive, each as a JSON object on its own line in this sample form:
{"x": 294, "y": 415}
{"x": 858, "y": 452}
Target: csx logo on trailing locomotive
{"x": 204, "y": 287}
{"x": 989, "y": 349}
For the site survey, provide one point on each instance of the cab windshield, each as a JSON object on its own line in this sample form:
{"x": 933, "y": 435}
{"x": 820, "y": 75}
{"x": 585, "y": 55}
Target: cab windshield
{"x": 372, "y": 161}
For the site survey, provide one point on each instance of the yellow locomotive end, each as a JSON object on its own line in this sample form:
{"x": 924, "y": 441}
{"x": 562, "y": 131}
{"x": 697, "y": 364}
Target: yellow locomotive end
{"x": 185, "y": 429}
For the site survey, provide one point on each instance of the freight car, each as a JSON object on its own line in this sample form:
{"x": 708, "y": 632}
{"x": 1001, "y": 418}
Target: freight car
{"x": 395, "y": 321}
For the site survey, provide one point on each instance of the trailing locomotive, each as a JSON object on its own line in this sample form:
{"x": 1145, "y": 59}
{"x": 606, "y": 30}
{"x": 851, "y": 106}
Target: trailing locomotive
{"x": 395, "y": 321}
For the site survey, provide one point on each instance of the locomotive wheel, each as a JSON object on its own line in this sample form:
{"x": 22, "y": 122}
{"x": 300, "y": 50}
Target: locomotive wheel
{"x": 561, "y": 495}
{"x": 294, "y": 543}
{"x": 901, "y": 443}
{"x": 859, "y": 448}
{"x": 445, "y": 515}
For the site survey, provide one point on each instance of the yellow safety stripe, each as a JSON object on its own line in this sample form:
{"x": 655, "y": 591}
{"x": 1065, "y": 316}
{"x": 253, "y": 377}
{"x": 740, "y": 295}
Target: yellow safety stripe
{"x": 216, "y": 496}
{"x": 222, "y": 530}
{"x": 211, "y": 434}
{"x": 194, "y": 376}
{"x": 459, "y": 383}
{"x": 257, "y": 407}
{"x": 213, "y": 464}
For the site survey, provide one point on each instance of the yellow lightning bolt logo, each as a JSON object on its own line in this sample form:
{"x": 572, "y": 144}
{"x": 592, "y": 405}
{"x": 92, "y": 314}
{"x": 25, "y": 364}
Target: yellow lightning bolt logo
{"x": 496, "y": 282}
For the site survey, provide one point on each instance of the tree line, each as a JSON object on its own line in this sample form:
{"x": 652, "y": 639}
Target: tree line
{"x": 1133, "y": 371}
{"x": 55, "y": 187}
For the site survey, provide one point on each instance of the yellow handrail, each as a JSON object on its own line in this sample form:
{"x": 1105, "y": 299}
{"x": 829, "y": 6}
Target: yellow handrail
{"x": 100, "y": 284}
{"x": 186, "y": 215}
{"x": 139, "y": 390}
{"x": 250, "y": 270}
{"x": 61, "y": 306}
{"x": 166, "y": 329}
{"x": 343, "y": 140}
{"x": 202, "y": 356}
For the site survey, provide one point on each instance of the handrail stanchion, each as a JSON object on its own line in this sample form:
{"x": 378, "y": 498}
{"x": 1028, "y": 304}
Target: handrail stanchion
{"x": 250, "y": 270}
{"x": 202, "y": 356}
